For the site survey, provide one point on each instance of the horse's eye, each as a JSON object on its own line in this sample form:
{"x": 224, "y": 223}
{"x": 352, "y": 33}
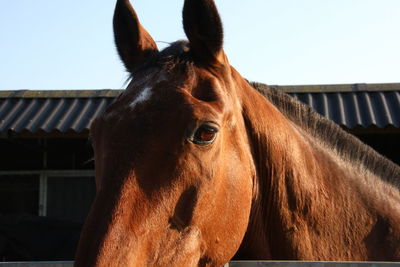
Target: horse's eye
{"x": 205, "y": 135}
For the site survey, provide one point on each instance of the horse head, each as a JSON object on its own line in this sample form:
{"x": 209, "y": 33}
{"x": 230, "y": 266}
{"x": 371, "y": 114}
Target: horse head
{"x": 174, "y": 171}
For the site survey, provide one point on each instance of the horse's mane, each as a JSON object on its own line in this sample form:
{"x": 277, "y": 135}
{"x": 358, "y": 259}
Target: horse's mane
{"x": 344, "y": 144}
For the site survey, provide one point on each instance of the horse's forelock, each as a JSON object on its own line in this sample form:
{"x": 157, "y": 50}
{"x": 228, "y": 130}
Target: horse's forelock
{"x": 175, "y": 49}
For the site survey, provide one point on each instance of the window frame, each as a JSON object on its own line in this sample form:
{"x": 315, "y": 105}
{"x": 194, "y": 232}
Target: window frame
{"x": 44, "y": 175}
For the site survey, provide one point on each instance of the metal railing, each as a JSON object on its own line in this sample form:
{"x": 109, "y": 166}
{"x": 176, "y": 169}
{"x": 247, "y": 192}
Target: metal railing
{"x": 231, "y": 264}
{"x": 37, "y": 264}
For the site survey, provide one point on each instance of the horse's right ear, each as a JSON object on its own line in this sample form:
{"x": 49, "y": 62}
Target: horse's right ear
{"x": 203, "y": 27}
{"x": 134, "y": 43}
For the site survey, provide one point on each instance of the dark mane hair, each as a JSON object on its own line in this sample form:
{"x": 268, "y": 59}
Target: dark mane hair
{"x": 173, "y": 57}
{"x": 175, "y": 49}
{"x": 344, "y": 144}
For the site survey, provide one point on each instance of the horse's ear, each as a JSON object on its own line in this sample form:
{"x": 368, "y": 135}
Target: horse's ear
{"x": 203, "y": 27}
{"x": 134, "y": 43}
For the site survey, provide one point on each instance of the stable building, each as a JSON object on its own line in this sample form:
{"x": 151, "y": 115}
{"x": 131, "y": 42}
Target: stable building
{"x": 46, "y": 159}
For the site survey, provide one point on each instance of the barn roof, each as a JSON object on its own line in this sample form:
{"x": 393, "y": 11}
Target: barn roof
{"x": 356, "y": 106}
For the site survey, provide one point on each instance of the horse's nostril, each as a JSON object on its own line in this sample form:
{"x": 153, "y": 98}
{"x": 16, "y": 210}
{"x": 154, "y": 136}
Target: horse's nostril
{"x": 183, "y": 212}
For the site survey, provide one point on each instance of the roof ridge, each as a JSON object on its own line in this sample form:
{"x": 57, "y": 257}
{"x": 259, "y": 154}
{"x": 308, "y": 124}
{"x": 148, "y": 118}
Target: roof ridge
{"x": 326, "y": 88}
{"x": 59, "y": 93}
{"x": 313, "y": 88}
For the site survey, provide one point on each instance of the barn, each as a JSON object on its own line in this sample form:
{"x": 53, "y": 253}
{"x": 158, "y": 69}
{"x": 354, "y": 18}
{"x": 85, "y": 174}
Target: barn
{"x": 47, "y": 168}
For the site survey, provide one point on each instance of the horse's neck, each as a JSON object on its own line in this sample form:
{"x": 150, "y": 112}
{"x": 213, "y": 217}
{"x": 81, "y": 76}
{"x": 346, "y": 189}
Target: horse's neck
{"x": 324, "y": 208}
{"x": 317, "y": 205}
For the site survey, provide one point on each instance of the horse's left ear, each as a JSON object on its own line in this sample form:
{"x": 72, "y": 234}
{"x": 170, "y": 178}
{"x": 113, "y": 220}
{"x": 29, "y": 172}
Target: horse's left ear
{"x": 203, "y": 27}
{"x": 134, "y": 43}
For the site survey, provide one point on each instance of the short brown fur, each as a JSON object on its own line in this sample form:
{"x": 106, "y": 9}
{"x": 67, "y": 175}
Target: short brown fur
{"x": 195, "y": 167}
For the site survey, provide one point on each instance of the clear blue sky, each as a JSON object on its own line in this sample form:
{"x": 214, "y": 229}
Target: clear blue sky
{"x": 54, "y": 44}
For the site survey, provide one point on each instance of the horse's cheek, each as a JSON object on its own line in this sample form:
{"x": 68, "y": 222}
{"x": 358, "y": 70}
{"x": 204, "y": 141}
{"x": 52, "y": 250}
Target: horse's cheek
{"x": 232, "y": 212}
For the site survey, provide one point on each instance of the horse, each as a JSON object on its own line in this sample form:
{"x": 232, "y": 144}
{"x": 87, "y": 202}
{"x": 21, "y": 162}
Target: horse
{"x": 196, "y": 166}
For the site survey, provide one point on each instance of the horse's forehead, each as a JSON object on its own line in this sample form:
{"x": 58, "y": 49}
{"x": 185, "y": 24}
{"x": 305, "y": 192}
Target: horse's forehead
{"x": 150, "y": 76}
{"x": 141, "y": 90}
{"x": 146, "y": 87}
{"x": 153, "y": 87}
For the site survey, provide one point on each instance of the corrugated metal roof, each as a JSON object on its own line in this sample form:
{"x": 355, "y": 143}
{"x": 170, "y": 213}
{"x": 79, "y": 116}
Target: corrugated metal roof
{"x": 71, "y": 114}
{"x": 333, "y": 88}
{"x": 73, "y": 110}
{"x": 59, "y": 93}
{"x": 356, "y": 109}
